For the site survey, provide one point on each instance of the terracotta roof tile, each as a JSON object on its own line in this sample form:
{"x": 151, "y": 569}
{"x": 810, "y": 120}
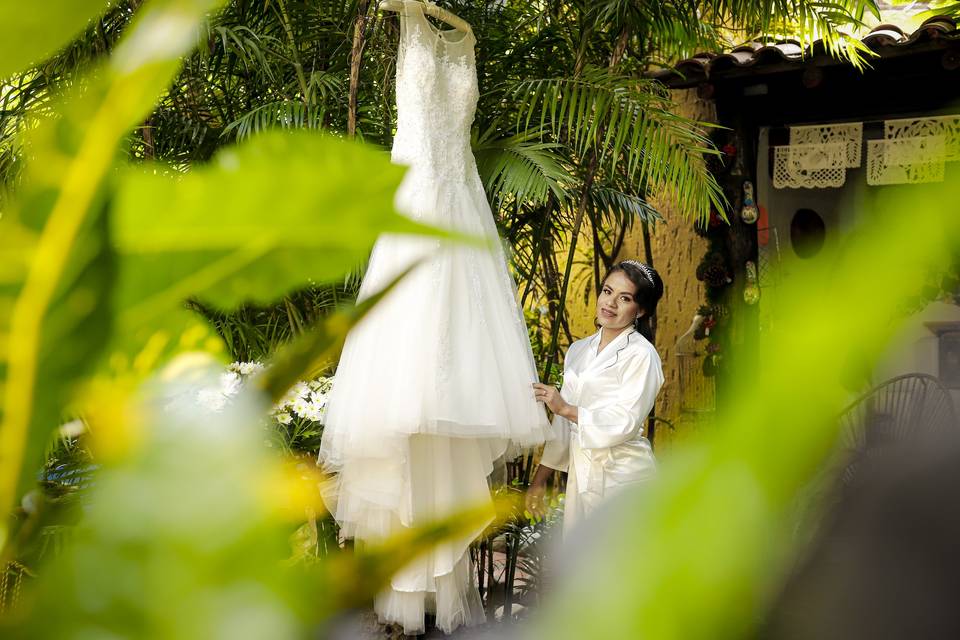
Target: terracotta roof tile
{"x": 885, "y": 39}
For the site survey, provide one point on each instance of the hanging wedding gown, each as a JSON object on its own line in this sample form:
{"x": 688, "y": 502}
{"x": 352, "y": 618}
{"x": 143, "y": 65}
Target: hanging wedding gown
{"x": 435, "y": 383}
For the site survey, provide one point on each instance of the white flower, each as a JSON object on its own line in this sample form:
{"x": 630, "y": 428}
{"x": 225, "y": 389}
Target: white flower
{"x": 284, "y": 418}
{"x": 321, "y": 384}
{"x": 300, "y": 407}
{"x": 305, "y": 399}
{"x": 245, "y": 368}
{"x": 287, "y": 399}
{"x": 301, "y": 390}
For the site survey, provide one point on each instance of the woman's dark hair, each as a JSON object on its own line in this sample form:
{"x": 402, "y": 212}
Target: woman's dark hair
{"x": 649, "y": 290}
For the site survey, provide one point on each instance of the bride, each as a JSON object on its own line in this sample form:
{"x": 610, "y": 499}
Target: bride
{"x": 433, "y": 385}
{"x": 610, "y": 382}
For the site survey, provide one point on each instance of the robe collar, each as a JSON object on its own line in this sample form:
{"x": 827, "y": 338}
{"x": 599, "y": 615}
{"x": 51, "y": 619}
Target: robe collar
{"x": 610, "y": 352}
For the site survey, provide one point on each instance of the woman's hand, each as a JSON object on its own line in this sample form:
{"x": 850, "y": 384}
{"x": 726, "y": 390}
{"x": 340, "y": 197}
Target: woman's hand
{"x": 550, "y": 396}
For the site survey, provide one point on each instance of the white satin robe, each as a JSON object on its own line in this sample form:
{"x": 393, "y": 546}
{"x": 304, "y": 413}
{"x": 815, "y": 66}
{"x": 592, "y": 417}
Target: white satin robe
{"x": 614, "y": 392}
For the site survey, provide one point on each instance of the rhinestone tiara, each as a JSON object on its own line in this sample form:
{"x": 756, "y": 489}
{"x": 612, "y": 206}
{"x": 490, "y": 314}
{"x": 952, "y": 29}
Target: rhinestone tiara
{"x": 647, "y": 271}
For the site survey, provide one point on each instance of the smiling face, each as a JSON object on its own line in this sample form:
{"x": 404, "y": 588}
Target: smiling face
{"x": 616, "y": 306}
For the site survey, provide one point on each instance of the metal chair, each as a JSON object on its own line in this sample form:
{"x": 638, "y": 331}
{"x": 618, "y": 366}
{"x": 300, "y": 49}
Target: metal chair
{"x": 909, "y": 410}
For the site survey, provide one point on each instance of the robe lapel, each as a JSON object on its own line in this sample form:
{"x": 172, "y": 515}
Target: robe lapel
{"x": 575, "y": 367}
{"x": 609, "y": 354}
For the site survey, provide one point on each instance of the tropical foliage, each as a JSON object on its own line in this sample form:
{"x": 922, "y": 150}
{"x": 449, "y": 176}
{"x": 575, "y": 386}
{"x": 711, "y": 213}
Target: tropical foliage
{"x": 568, "y": 134}
{"x": 147, "y": 181}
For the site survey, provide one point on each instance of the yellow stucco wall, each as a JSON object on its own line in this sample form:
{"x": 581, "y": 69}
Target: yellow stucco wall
{"x": 677, "y": 251}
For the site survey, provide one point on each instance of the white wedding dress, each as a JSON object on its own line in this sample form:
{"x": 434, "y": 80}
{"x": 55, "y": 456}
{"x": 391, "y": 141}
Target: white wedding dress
{"x": 435, "y": 383}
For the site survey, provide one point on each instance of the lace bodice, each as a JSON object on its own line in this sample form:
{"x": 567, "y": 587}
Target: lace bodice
{"x": 436, "y": 98}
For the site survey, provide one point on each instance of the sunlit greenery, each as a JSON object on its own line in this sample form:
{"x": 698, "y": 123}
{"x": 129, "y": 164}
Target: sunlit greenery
{"x": 168, "y": 160}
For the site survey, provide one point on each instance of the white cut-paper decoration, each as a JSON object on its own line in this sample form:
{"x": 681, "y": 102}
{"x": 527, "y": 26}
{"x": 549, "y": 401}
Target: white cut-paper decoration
{"x": 810, "y": 166}
{"x": 947, "y": 127}
{"x": 905, "y": 160}
{"x": 849, "y": 133}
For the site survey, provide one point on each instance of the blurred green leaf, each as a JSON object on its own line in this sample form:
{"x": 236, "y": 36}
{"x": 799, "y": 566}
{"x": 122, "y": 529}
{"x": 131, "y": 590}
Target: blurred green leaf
{"x": 194, "y": 517}
{"x": 713, "y": 529}
{"x": 55, "y": 264}
{"x": 263, "y": 218}
{"x": 29, "y": 35}
{"x": 318, "y": 347}
{"x": 185, "y": 532}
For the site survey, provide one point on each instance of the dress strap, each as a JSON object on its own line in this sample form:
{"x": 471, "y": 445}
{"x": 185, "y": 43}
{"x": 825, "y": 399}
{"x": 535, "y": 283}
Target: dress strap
{"x": 408, "y": 30}
{"x": 440, "y": 38}
{"x": 404, "y": 14}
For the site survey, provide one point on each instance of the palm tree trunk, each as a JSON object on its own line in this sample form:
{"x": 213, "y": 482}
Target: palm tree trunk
{"x": 537, "y": 246}
{"x": 356, "y": 56}
{"x": 598, "y": 254}
{"x": 619, "y": 48}
{"x": 648, "y": 257}
{"x": 571, "y": 252}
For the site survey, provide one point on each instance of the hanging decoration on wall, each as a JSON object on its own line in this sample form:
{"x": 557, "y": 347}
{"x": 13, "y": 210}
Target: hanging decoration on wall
{"x": 818, "y": 156}
{"x": 906, "y": 160}
{"x": 768, "y": 255}
{"x": 713, "y": 271}
{"x": 749, "y": 211}
{"x": 850, "y": 134}
{"x": 751, "y": 292}
{"x": 946, "y": 126}
{"x": 809, "y": 166}
{"x": 723, "y": 232}
{"x": 913, "y": 150}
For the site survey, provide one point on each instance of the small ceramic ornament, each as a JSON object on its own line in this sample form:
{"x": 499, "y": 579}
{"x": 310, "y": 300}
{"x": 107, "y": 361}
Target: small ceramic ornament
{"x": 751, "y": 292}
{"x": 749, "y": 213}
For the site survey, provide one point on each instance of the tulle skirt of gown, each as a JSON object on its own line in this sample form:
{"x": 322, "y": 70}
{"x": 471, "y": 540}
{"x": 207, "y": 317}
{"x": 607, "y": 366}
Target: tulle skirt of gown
{"x": 432, "y": 387}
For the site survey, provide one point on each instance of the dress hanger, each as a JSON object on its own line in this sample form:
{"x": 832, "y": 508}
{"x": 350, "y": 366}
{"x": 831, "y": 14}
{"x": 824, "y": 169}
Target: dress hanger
{"x": 430, "y": 9}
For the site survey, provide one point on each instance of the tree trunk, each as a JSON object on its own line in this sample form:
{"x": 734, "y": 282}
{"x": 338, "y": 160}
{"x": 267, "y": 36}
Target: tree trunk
{"x": 561, "y": 304}
{"x": 538, "y": 245}
{"x": 146, "y": 134}
{"x": 648, "y": 257}
{"x": 356, "y": 57}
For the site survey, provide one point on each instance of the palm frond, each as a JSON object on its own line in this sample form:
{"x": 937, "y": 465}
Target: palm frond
{"x": 835, "y": 23}
{"x": 248, "y": 47}
{"x": 285, "y": 114}
{"x": 521, "y": 168}
{"x": 630, "y": 125}
{"x": 624, "y": 207}
{"x": 670, "y": 29}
